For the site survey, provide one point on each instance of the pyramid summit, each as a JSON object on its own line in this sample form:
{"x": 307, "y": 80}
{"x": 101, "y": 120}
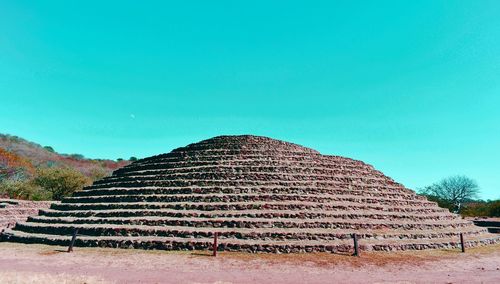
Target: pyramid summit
{"x": 259, "y": 194}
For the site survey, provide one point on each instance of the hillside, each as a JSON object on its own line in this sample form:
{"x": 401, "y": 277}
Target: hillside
{"x": 28, "y": 153}
{"x": 33, "y": 172}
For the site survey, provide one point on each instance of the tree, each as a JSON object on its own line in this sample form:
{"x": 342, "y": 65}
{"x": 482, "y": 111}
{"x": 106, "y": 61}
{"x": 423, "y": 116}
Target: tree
{"x": 452, "y": 192}
{"x": 49, "y": 148}
{"x": 132, "y": 159}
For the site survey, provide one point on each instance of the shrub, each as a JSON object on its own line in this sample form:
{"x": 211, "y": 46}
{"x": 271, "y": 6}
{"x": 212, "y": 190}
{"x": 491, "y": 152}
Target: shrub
{"x": 13, "y": 166}
{"x": 61, "y": 182}
{"x": 48, "y": 148}
{"x": 77, "y": 156}
{"x": 25, "y": 189}
{"x": 97, "y": 174}
{"x": 482, "y": 209}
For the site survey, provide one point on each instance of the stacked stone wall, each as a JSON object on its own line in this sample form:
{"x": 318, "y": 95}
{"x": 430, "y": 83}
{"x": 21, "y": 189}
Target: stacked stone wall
{"x": 258, "y": 195}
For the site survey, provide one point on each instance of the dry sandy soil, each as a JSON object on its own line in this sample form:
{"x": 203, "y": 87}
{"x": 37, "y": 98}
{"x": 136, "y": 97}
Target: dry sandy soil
{"x": 48, "y": 264}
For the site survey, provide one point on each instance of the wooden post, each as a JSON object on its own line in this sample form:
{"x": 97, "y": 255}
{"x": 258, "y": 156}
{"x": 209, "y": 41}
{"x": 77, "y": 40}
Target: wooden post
{"x": 356, "y": 248}
{"x": 3, "y": 230}
{"x": 462, "y": 244}
{"x": 73, "y": 238}
{"x": 215, "y": 244}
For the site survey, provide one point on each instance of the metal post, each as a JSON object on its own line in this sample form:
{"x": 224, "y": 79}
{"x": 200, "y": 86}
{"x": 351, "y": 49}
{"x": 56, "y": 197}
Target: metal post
{"x": 72, "y": 243}
{"x": 215, "y": 244}
{"x": 462, "y": 242}
{"x": 356, "y": 248}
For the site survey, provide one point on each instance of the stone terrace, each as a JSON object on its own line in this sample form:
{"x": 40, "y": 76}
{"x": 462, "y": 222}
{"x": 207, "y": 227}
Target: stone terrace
{"x": 12, "y": 211}
{"x": 259, "y": 195}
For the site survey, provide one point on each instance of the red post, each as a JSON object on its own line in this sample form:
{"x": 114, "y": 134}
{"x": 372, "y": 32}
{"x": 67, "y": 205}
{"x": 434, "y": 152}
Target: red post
{"x": 215, "y": 245}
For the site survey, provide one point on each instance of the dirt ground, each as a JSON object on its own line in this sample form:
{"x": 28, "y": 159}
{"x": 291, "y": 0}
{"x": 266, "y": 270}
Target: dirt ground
{"x": 48, "y": 264}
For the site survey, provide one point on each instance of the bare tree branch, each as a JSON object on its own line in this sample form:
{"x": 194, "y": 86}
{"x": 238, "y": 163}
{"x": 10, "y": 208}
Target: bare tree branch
{"x": 455, "y": 190}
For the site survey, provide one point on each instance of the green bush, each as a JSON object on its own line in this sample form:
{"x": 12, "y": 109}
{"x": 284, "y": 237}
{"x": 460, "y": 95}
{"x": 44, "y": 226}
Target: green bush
{"x": 48, "y": 184}
{"x": 482, "y": 209}
{"x": 60, "y": 182}
{"x": 50, "y": 149}
{"x": 25, "y": 189}
{"x": 77, "y": 156}
{"x": 97, "y": 174}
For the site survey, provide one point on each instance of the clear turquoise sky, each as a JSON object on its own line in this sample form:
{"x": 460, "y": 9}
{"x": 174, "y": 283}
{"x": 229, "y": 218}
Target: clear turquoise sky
{"x": 412, "y": 87}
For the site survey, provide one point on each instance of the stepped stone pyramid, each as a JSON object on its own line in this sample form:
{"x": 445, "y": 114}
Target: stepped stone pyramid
{"x": 259, "y": 195}
{"x": 12, "y": 211}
